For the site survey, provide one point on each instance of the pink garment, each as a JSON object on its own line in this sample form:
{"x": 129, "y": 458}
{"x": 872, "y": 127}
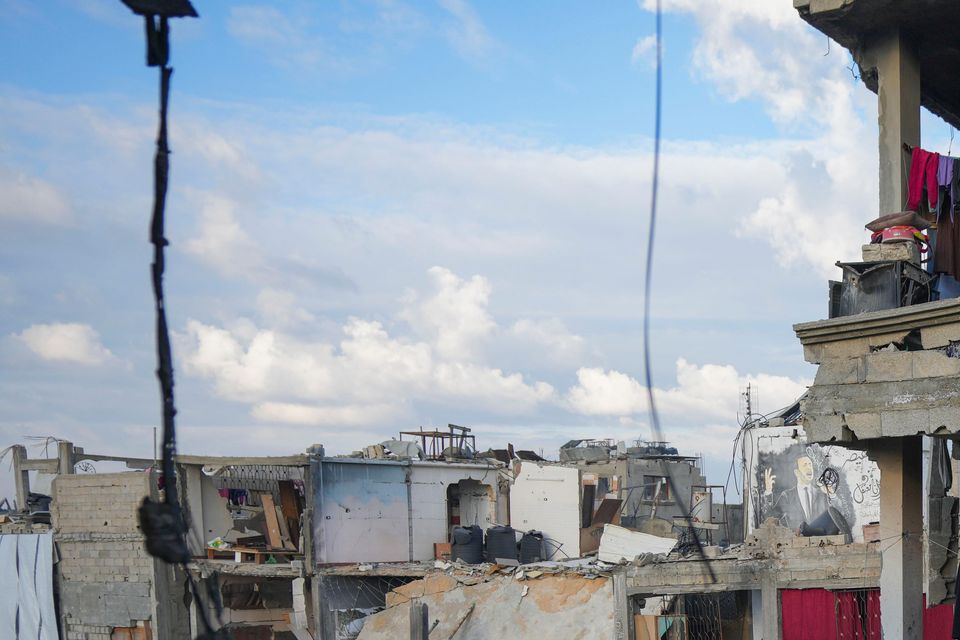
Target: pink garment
{"x": 924, "y": 167}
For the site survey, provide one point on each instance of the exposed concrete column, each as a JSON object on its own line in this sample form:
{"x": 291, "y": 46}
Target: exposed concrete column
{"x": 901, "y": 515}
{"x": 325, "y": 620}
{"x": 898, "y": 99}
{"x": 65, "y": 455}
{"x": 20, "y": 475}
{"x": 621, "y": 607}
{"x": 770, "y": 602}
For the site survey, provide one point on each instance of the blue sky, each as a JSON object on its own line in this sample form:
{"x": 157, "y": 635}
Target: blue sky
{"x": 388, "y": 214}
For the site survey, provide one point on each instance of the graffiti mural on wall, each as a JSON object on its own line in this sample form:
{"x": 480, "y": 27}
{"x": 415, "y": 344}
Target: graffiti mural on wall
{"x": 796, "y": 483}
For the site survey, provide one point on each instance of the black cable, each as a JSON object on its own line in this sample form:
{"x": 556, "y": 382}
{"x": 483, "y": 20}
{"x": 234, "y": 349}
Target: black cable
{"x": 648, "y": 279}
{"x": 163, "y": 524}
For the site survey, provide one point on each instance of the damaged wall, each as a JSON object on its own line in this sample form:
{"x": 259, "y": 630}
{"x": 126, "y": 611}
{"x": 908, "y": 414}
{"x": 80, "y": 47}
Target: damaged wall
{"x": 568, "y": 605}
{"x": 106, "y": 578}
{"x": 885, "y": 373}
{"x": 386, "y": 510}
{"x": 546, "y": 498}
{"x": 209, "y": 513}
{"x": 780, "y": 462}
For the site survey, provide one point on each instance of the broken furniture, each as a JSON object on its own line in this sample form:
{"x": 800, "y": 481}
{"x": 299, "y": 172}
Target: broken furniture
{"x": 873, "y": 286}
{"x": 248, "y": 554}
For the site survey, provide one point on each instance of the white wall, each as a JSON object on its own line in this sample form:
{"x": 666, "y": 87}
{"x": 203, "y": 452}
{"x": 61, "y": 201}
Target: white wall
{"x": 365, "y": 514}
{"x": 429, "y": 498}
{"x": 362, "y": 513}
{"x": 546, "y": 498}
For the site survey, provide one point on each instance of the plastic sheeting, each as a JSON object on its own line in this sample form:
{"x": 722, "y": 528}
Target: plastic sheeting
{"x": 26, "y": 591}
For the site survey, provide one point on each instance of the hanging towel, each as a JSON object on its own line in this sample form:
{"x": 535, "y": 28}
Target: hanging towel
{"x": 924, "y": 166}
{"x": 945, "y": 171}
{"x": 946, "y": 257}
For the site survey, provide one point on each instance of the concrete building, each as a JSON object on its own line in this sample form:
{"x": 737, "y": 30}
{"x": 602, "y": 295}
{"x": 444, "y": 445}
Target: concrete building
{"x": 304, "y": 512}
{"x": 655, "y": 485}
{"x": 886, "y": 378}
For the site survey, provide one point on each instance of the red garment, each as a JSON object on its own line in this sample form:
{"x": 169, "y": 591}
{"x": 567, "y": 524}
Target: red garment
{"x": 923, "y": 173}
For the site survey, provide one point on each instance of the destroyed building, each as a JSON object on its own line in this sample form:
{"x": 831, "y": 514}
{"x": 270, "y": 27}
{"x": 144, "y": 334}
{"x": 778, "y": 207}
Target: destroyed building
{"x": 339, "y": 547}
{"x": 308, "y": 543}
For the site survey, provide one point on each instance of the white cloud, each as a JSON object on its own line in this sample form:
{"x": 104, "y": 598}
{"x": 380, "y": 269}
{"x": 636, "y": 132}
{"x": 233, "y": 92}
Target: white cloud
{"x": 454, "y": 317}
{"x": 300, "y": 381}
{"x": 605, "y": 393}
{"x": 279, "y": 308}
{"x": 467, "y": 33}
{"x": 30, "y": 199}
{"x": 311, "y": 415}
{"x": 706, "y": 392}
{"x": 763, "y": 51}
{"x": 220, "y": 241}
{"x": 561, "y": 345}
{"x": 66, "y": 342}
{"x": 645, "y": 50}
{"x": 287, "y": 40}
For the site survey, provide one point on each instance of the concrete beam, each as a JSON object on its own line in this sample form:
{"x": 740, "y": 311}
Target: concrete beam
{"x": 241, "y": 461}
{"x": 901, "y": 535}
{"x": 44, "y": 465}
{"x": 877, "y": 328}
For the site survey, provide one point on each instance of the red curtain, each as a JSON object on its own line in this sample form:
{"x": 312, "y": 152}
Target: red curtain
{"x": 818, "y": 614}
{"x": 809, "y": 614}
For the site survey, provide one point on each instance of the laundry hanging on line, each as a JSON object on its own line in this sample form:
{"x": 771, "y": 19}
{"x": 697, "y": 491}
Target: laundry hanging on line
{"x": 236, "y": 497}
{"x": 937, "y": 177}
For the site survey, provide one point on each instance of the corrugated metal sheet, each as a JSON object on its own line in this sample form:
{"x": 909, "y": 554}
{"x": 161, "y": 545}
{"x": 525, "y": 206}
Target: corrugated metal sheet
{"x": 26, "y": 590}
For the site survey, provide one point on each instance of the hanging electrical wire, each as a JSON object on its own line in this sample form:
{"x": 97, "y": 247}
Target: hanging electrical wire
{"x": 648, "y": 280}
{"x": 164, "y": 524}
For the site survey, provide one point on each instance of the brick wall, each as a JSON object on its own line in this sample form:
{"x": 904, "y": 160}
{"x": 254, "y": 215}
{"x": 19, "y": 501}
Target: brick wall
{"x": 106, "y": 578}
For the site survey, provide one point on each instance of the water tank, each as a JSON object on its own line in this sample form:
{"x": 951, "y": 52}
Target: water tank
{"x": 531, "y": 547}
{"x": 501, "y": 543}
{"x": 467, "y": 544}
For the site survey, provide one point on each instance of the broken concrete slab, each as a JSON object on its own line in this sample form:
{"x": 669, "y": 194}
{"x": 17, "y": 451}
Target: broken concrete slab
{"x": 939, "y": 336}
{"x": 852, "y": 336}
{"x": 430, "y": 585}
{"x": 907, "y": 251}
{"x": 619, "y": 544}
{"x": 850, "y": 348}
{"x": 570, "y": 605}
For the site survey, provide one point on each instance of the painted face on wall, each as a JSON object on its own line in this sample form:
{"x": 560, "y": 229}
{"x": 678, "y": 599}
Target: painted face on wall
{"x": 804, "y": 470}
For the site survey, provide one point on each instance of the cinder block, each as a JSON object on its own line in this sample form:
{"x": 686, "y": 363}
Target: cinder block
{"x": 940, "y": 417}
{"x": 853, "y": 348}
{"x": 932, "y": 364}
{"x": 940, "y": 335}
{"x": 839, "y": 371}
{"x": 891, "y": 251}
{"x": 904, "y": 423}
{"x": 864, "y": 425}
{"x": 824, "y": 427}
{"x": 888, "y": 366}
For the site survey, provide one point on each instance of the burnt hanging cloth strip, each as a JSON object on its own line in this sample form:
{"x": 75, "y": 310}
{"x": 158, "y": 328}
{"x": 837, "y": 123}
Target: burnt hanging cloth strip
{"x": 164, "y": 524}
